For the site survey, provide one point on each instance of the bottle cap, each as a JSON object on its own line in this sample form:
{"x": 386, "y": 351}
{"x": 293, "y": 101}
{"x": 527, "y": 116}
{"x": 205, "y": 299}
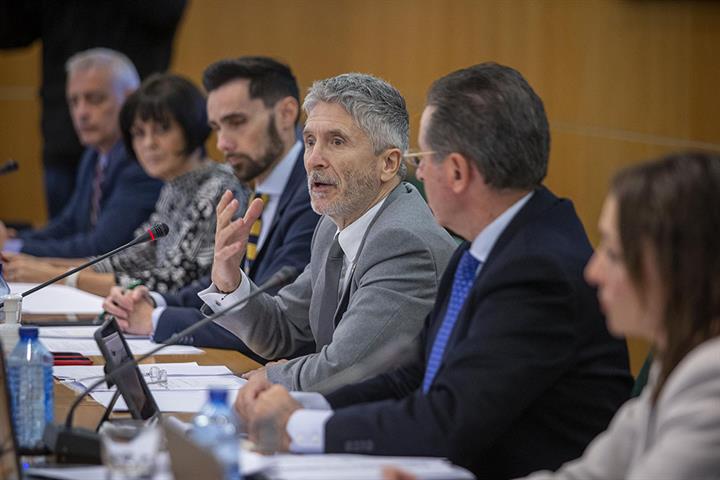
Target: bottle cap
{"x": 28, "y": 333}
{"x": 217, "y": 395}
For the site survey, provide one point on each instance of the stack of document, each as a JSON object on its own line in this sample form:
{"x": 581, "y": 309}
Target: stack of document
{"x": 81, "y": 340}
{"x": 354, "y": 467}
{"x": 185, "y": 388}
{"x": 58, "y": 300}
{"x": 294, "y": 467}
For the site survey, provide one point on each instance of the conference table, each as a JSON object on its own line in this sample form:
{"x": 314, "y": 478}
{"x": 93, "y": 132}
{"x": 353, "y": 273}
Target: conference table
{"x": 89, "y": 412}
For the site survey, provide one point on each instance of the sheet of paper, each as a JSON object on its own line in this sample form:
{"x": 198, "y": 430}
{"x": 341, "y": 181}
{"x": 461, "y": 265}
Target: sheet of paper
{"x": 185, "y": 391}
{"x": 250, "y": 464}
{"x": 86, "y": 346}
{"x": 58, "y": 299}
{"x": 187, "y": 401}
{"x": 97, "y": 472}
{"x": 342, "y": 467}
{"x": 76, "y": 372}
{"x": 78, "y": 332}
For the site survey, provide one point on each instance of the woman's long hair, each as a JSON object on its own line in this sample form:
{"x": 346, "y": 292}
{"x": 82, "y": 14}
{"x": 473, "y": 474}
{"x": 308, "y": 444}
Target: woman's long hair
{"x": 670, "y": 208}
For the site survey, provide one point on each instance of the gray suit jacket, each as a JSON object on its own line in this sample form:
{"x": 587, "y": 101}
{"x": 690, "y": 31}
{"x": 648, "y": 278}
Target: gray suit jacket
{"x": 677, "y": 438}
{"x": 392, "y": 289}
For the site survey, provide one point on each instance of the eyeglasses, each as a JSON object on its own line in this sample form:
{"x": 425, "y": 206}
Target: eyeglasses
{"x": 413, "y": 158}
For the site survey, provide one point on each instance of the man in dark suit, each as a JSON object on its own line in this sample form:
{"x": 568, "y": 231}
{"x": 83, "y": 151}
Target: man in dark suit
{"x": 110, "y": 185}
{"x": 514, "y": 370}
{"x": 253, "y": 105}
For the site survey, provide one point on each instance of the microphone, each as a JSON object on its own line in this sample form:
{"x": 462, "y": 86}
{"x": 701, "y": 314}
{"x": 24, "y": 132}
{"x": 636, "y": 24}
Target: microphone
{"x": 396, "y": 352}
{"x": 153, "y": 233}
{"x": 81, "y": 445}
{"x": 158, "y": 230}
{"x": 8, "y": 167}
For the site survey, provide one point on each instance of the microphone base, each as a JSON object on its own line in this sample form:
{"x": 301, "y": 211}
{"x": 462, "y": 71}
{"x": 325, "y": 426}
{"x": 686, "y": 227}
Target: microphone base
{"x": 73, "y": 445}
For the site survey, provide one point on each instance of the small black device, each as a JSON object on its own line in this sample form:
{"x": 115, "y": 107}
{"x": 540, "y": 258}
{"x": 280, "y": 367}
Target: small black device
{"x": 130, "y": 382}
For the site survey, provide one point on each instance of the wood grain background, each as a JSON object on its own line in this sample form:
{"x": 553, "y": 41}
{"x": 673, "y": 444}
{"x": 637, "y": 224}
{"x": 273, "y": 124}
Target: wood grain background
{"x": 622, "y": 80}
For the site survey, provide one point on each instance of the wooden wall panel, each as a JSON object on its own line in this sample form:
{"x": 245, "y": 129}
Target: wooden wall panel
{"x": 21, "y": 193}
{"x": 622, "y": 80}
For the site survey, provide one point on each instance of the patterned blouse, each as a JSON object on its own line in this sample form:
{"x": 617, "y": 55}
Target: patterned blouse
{"x": 187, "y": 204}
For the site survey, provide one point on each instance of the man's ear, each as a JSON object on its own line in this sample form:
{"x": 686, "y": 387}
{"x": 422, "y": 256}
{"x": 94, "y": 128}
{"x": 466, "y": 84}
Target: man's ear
{"x": 459, "y": 172}
{"x": 390, "y": 164}
{"x": 286, "y": 112}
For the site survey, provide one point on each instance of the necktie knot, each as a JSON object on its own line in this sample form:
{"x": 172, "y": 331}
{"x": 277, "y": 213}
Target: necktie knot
{"x": 336, "y": 250}
{"x": 467, "y": 266}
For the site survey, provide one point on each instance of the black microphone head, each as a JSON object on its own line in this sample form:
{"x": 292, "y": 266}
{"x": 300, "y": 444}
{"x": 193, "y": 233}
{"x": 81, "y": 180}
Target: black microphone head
{"x": 158, "y": 230}
{"x": 9, "y": 166}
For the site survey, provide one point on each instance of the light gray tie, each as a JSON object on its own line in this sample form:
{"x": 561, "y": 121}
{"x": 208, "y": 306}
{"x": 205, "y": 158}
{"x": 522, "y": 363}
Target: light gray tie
{"x": 329, "y": 299}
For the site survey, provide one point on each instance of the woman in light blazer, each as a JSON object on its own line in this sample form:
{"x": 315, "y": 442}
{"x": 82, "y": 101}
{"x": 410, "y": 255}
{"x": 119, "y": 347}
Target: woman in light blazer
{"x": 657, "y": 270}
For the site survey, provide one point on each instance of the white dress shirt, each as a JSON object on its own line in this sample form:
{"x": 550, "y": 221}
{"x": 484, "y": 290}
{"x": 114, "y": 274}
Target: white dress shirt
{"x": 306, "y": 427}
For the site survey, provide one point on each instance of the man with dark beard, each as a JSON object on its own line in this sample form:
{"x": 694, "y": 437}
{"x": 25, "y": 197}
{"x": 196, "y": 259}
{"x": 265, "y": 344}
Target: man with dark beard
{"x": 376, "y": 257}
{"x": 253, "y": 106}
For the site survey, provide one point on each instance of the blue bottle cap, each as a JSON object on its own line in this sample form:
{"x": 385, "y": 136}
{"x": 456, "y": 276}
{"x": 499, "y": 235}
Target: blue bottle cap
{"x": 218, "y": 395}
{"x": 28, "y": 333}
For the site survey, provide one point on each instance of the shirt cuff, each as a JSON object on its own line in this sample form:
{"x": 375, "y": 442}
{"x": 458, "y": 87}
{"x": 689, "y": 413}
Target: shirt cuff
{"x": 13, "y": 245}
{"x": 159, "y": 299}
{"x": 156, "y": 313}
{"x": 306, "y": 429}
{"x": 311, "y": 400}
{"x": 218, "y": 301}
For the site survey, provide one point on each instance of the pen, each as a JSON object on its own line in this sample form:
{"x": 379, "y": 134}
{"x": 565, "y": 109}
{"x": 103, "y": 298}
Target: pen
{"x": 131, "y": 286}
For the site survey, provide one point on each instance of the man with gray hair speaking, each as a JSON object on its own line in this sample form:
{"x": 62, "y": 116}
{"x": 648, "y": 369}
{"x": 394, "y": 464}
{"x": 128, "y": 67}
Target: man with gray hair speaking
{"x": 376, "y": 256}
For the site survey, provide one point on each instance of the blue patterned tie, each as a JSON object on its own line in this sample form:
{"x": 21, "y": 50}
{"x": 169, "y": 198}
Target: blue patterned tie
{"x": 462, "y": 283}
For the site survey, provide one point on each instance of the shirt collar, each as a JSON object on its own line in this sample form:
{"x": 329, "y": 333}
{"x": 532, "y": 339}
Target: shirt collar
{"x": 114, "y": 152}
{"x": 484, "y": 242}
{"x": 351, "y": 236}
{"x": 274, "y": 184}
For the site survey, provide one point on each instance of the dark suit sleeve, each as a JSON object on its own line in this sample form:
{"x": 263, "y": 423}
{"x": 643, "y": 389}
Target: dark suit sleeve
{"x": 188, "y": 295}
{"x": 396, "y": 384}
{"x": 61, "y": 226}
{"x": 520, "y": 339}
{"x": 131, "y": 203}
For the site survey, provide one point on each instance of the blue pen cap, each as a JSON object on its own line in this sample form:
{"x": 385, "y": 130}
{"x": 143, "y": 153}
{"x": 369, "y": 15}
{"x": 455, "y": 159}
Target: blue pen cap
{"x": 28, "y": 333}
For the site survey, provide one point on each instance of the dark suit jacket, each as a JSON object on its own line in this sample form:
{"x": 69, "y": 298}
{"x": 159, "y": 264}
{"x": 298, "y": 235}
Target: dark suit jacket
{"x": 128, "y": 199}
{"x": 287, "y": 243}
{"x": 530, "y": 374}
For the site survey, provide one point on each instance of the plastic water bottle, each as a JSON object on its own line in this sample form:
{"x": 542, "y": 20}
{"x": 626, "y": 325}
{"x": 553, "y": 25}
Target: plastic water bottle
{"x": 216, "y": 430}
{"x": 31, "y": 388}
{"x": 4, "y": 290}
